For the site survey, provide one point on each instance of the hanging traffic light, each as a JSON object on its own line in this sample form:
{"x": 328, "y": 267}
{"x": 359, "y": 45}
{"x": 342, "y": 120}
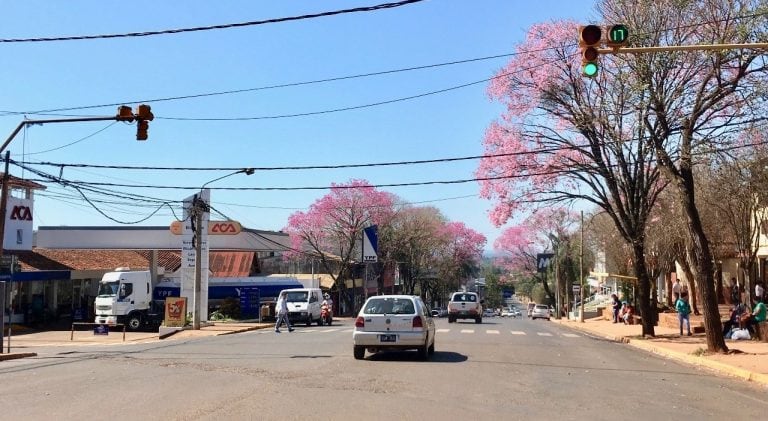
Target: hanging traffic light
{"x": 589, "y": 41}
{"x": 142, "y": 127}
{"x": 144, "y": 112}
{"x": 124, "y": 113}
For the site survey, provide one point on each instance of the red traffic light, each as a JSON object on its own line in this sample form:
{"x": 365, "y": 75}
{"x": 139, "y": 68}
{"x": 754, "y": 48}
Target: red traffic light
{"x": 590, "y": 35}
{"x": 142, "y": 127}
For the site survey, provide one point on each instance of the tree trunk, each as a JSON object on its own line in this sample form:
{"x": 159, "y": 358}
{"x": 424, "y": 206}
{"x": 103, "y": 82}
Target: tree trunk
{"x": 691, "y": 278}
{"x": 644, "y": 289}
{"x": 703, "y": 262}
{"x": 668, "y": 289}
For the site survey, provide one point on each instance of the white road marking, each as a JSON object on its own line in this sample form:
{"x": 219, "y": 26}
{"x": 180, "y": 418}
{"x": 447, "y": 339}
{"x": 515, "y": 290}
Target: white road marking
{"x": 492, "y": 332}
{"x": 544, "y": 334}
{"x": 329, "y": 330}
{"x": 570, "y": 335}
{"x": 307, "y": 330}
{"x": 467, "y": 330}
{"x": 517, "y": 332}
{"x": 443, "y": 330}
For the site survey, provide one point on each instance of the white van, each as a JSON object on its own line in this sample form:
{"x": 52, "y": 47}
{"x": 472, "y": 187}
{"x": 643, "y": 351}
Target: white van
{"x": 304, "y": 304}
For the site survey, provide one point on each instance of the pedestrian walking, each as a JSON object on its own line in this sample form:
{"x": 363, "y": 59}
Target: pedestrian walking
{"x": 683, "y": 312}
{"x": 281, "y": 307}
{"x": 616, "y": 306}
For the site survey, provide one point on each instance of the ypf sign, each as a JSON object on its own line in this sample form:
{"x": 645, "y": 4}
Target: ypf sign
{"x": 18, "y": 224}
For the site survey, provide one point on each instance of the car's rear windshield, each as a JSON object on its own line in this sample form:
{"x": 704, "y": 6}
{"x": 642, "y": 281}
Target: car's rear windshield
{"x": 389, "y": 306}
{"x": 542, "y": 307}
{"x": 467, "y": 298}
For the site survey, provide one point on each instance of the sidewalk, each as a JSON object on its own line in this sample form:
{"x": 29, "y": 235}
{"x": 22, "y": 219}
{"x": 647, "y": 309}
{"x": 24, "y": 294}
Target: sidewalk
{"x": 28, "y": 344}
{"x": 747, "y": 360}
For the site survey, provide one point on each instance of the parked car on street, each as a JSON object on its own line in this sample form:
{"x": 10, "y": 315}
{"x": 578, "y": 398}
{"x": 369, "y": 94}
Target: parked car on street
{"x": 489, "y": 312}
{"x": 510, "y": 312}
{"x": 540, "y": 311}
{"x": 394, "y": 322}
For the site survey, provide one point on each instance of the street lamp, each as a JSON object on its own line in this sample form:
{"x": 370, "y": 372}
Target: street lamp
{"x": 198, "y": 208}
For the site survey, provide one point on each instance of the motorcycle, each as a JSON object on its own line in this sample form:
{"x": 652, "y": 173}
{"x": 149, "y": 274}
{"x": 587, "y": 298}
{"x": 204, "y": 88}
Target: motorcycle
{"x": 326, "y": 314}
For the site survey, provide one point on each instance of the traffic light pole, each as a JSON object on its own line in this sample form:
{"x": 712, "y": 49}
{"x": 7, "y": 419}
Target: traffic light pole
{"x": 700, "y": 47}
{"x": 56, "y": 120}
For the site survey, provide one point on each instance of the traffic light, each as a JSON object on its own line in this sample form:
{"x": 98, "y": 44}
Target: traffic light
{"x": 124, "y": 113}
{"x": 144, "y": 112}
{"x": 143, "y": 117}
{"x": 617, "y": 36}
{"x": 590, "y": 37}
{"x": 142, "y": 127}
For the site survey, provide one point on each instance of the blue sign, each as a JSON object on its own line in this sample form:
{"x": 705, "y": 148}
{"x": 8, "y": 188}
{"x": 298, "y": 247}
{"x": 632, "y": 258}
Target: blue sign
{"x": 371, "y": 244}
{"x": 250, "y": 301}
{"x": 543, "y": 260}
{"x": 101, "y": 330}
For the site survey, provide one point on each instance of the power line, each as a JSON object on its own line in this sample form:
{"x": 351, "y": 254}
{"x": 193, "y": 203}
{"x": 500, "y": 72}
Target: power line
{"x": 213, "y": 27}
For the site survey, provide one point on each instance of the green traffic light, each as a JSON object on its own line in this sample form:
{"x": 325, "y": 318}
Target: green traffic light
{"x": 590, "y": 69}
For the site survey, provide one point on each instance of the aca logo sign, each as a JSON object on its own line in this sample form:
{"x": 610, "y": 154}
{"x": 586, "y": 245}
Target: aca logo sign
{"x": 21, "y": 213}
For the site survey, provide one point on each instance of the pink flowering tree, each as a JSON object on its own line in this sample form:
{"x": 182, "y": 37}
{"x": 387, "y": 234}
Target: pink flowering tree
{"x": 547, "y": 229}
{"x": 459, "y": 256}
{"x": 331, "y": 229}
{"x": 564, "y": 138}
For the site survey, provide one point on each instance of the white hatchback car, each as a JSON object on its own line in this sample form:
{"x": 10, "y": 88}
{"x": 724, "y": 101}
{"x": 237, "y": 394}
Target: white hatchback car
{"x": 394, "y": 322}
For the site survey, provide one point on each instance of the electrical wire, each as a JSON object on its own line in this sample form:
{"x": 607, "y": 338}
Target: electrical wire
{"x": 213, "y": 27}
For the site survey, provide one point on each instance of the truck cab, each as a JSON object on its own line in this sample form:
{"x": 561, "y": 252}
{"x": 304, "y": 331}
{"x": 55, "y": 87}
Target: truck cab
{"x": 124, "y": 297}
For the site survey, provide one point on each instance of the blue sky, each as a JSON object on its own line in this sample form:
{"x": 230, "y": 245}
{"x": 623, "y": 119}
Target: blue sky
{"x": 62, "y": 74}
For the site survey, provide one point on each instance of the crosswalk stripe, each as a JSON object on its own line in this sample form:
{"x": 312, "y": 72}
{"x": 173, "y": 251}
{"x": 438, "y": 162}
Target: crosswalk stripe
{"x": 443, "y": 330}
{"x": 467, "y": 331}
{"x": 517, "y": 332}
{"x": 329, "y": 330}
{"x": 570, "y": 335}
{"x": 544, "y": 334}
{"x": 492, "y": 332}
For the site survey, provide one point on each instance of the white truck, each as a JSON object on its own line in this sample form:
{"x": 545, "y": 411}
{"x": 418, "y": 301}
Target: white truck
{"x": 130, "y": 297}
{"x": 125, "y": 297}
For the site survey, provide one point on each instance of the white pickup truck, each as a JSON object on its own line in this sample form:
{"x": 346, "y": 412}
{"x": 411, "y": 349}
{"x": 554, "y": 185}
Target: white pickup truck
{"x": 465, "y": 305}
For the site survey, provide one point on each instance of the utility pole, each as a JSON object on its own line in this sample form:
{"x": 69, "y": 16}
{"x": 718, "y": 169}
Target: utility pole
{"x": 581, "y": 271}
{"x": 558, "y": 298}
{"x": 198, "y": 208}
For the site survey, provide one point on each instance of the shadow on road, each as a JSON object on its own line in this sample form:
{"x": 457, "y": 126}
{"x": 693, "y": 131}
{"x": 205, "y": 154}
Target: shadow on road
{"x": 437, "y": 357}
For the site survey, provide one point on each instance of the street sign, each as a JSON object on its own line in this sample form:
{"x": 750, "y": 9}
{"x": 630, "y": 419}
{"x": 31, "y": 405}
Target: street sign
{"x": 576, "y": 288}
{"x": 370, "y": 244}
{"x": 543, "y": 260}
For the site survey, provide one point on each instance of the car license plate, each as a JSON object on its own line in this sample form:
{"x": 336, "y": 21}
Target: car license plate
{"x": 388, "y": 338}
{"x": 464, "y": 311}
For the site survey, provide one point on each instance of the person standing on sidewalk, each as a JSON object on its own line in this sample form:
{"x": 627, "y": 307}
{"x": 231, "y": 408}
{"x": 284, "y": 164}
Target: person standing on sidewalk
{"x": 759, "y": 291}
{"x": 683, "y": 312}
{"x": 677, "y": 288}
{"x": 616, "y": 306}
{"x": 282, "y": 313}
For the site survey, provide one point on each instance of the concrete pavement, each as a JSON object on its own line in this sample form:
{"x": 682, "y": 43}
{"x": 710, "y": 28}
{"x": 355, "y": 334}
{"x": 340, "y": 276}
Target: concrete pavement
{"x": 747, "y": 360}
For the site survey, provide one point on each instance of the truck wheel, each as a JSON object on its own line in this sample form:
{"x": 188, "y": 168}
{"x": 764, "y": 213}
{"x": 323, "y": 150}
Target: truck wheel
{"x": 309, "y": 320}
{"x": 133, "y": 322}
{"x": 359, "y": 352}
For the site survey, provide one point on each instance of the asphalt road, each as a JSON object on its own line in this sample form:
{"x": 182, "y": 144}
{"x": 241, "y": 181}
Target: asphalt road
{"x": 510, "y": 368}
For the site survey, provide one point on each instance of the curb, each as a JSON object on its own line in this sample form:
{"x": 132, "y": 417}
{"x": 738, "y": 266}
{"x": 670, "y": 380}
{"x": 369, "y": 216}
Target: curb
{"x": 694, "y": 360}
{"x": 15, "y": 356}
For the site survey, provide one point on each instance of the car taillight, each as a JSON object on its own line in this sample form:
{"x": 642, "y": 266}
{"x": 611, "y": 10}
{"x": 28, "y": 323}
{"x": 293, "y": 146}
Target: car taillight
{"x": 417, "y": 322}
{"x": 359, "y": 322}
